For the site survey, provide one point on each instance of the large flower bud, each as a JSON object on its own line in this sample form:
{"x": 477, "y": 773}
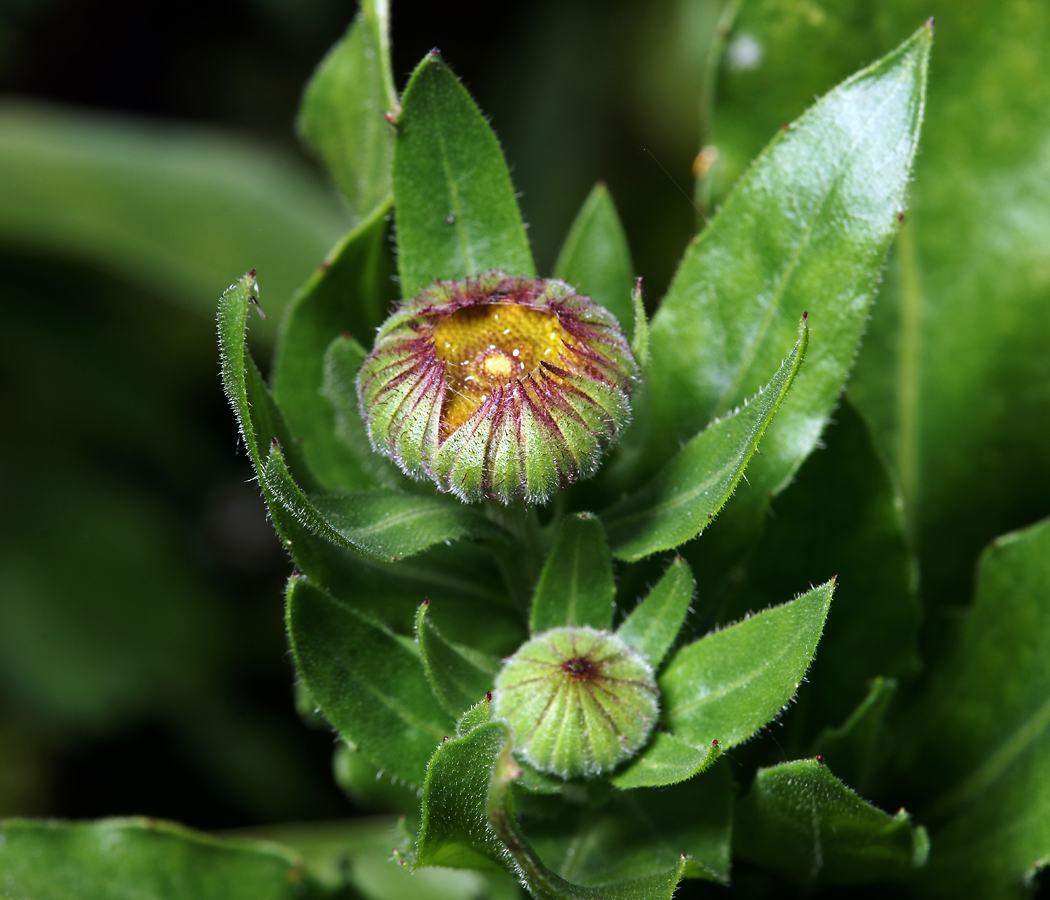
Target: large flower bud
{"x": 497, "y": 387}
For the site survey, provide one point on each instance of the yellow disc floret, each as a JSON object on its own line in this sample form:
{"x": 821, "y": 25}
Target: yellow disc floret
{"x": 487, "y": 347}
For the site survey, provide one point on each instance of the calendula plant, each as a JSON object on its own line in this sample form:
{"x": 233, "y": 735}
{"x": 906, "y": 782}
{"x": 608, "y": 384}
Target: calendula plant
{"x": 478, "y": 481}
{"x": 555, "y": 559}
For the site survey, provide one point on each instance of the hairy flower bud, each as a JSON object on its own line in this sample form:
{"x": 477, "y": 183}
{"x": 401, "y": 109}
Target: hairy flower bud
{"x": 497, "y": 387}
{"x": 580, "y": 701}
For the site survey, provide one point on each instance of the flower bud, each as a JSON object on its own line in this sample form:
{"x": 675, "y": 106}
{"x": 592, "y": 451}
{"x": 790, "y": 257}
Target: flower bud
{"x": 498, "y": 387}
{"x": 580, "y": 701}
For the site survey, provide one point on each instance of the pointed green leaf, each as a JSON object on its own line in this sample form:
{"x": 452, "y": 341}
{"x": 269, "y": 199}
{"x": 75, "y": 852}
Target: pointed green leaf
{"x": 381, "y": 524}
{"x": 173, "y": 209}
{"x": 983, "y": 727}
{"x": 369, "y": 685}
{"x": 850, "y": 749}
{"x": 595, "y": 258}
{"x": 140, "y": 859}
{"x": 459, "y": 676}
{"x": 455, "y": 207}
{"x": 680, "y": 501}
{"x": 341, "y": 116}
{"x": 729, "y": 684}
{"x": 259, "y": 418}
{"x": 576, "y": 586}
{"x": 641, "y": 833}
{"x": 468, "y": 822}
{"x": 350, "y": 292}
{"x": 806, "y": 228}
{"x": 653, "y": 624}
{"x": 800, "y": 821}
{"x": 666, "y": 760}
{"x": 342, "y": 360}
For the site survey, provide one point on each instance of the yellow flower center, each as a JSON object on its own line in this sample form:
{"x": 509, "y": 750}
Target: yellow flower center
{"x": 488, "y": 347}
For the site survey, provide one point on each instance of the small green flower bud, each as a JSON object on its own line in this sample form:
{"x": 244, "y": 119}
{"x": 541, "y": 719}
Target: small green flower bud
{"x": 580, "y": 701}
{"x": 497, "y": 387}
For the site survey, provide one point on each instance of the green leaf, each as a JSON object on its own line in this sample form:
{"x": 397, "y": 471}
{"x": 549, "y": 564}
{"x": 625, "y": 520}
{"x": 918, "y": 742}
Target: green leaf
{"x": 576, "y": 586}
{"x": 259, "y": 418}
{"x": 800, "y": 821}
{"x": 341, "y": 116}
{"x": 729, "y": 684}
{"x": 641, "y": 833}
{"x": 653, "y": 624}
{"x": 459, "y": 676}
{"x": 851, "y": 749}
{"x": 842, "y": 516}
{"x": 468, "y": 821}
{"x": 382, "y": 524}
{"x": 369, "y": 685}
{"x": 342, "y": 359}
{"x": 175, "y": 210}
{"x": 982, "y": 727}
{"x": 455, "y": 207}
{"x": 595, "y": 258}
{"x": 806, "y": 228}
{"x": 350, "y": 292}
{"x": 688, "y": 492}
{"x": 140, "y": 859}
{"x": 666, "y": 760}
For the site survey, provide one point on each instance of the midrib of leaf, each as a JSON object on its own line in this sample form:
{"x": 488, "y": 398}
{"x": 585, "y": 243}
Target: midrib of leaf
{"x": 782, "y": 282}
{"x": 908, "y": 371}
{"x": 994, "y": 766}
{"x": 733, "y": 685}
{"x": 453, "y": 189}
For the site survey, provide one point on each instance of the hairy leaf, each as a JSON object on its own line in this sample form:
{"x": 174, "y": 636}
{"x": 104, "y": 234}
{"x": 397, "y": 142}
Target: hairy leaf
{"x": 454, "y": 204}
{"x": 801, "y": 822}
{"x": 369, "y": 685}
{"x": 595, "y": 258}
{"x": 653, "y": 624}
{"x": 576, "y": 586}
{"x": 459, "y": 676}
{"x": 342, "y": 113}
{"x": 468, "y": 821}
{"x": 729, "y": 684}
{"x": 677, "y": 505}
{"x": 806, "y": 228}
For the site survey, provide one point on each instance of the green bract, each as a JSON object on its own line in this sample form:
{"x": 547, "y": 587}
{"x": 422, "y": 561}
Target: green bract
{"x": 497, "y": 387}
